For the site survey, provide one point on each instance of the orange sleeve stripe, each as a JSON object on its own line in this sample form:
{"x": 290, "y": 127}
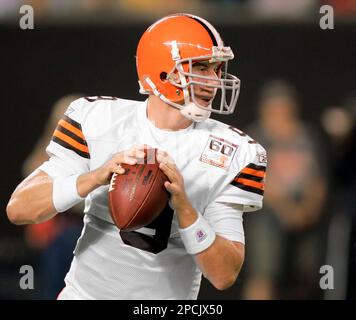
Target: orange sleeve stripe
{"x": 71, "y": 128}
{"x": 71, "y": 141}
{"x": 251, "y": 183}
{"x": 253, "y": 172}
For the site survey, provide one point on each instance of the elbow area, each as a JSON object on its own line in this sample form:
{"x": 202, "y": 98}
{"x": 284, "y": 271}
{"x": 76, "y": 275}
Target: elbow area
{"x": 17, "y": 213}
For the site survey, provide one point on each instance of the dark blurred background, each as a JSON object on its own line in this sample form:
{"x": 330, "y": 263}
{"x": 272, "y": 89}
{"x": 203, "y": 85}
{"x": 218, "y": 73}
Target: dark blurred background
{"x": 298, "y": 98}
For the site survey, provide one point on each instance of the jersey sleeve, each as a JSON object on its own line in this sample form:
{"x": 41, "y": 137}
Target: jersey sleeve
{"x": 247, "y": 185}
{"x": 226, "y": 220}
{"x": 68, "y": 148}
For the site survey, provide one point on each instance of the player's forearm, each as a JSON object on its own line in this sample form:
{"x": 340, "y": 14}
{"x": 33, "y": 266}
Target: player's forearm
{"x": 221, "y": 262}
{"x": 31, "y": 202}
{"x": 86, "y": 183}
{"x": 186, "y": 214}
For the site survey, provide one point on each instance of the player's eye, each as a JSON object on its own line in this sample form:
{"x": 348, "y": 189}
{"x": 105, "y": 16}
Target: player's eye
{"x": 200, "y": 66}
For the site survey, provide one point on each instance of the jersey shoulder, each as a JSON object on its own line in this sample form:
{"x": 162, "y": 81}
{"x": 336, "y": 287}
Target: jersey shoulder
{"x": 247, "y": 149}
{"x": 244, "y": 181}
{"x": 97, "y": 114}
{"x": 85, "y": 107}
{"x": 91, "y": 118}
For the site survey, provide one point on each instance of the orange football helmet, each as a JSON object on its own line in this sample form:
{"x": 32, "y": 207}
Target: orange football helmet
{"x": 165, "y": 57}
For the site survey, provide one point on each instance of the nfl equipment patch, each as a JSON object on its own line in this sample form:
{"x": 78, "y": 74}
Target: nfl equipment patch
{"x": 218, "y": 152}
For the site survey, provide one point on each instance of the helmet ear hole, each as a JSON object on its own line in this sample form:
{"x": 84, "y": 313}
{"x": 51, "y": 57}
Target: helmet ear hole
{"x": 163, "y": 76}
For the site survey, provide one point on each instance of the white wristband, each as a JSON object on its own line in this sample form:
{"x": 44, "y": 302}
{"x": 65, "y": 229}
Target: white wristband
{"x": 198, "y": 236}
{"x": 65, "y": 194}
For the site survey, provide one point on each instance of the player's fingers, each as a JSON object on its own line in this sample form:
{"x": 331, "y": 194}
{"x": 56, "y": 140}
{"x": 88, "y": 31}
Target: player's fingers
{"x": 168, "y": 186}
{"x": 163, "y": 156}
{"x": 171, "y": 174}
{"x": 117, "y": 157}
{"x": 129, "y": 160}
{"x": 139, "y": 152}
{"x": 172, "y": 188}
{"x": 118, "y": 169}
{"x": 140, "y": 147}
{"x": 133, "y": 153}
{"x": 123, "y": 158}
{"x": 171, "y": 166}
{"x": 160, "y": 158}
{"x": 165, "y": 170}
{"x": 126, "y": 157}
{"x": 162, "y": 153}
{"x": 114, "y": 167}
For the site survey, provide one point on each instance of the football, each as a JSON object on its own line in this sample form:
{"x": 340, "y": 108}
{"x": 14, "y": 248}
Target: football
{"x": 137, "y": 197}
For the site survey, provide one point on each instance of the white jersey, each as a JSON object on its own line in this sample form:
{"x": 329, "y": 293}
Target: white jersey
{"x": 222, "y": 168}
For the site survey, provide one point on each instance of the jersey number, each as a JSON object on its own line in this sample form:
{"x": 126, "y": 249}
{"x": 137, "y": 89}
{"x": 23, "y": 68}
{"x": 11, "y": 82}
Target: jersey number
{"x": 156, "y": 243}
{"x": 218, "y": 146}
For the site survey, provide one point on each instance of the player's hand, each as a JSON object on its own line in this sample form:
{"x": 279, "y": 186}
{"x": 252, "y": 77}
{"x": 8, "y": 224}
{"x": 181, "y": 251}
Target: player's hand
{"x": 103, "y": 174}
{"x": 175, "y": 185}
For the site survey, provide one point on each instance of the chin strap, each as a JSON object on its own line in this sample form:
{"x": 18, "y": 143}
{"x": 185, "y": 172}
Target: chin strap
{"x": 190, "y": 110}
{"x": 183, "y": 81}
{"x": 193, "y": 112}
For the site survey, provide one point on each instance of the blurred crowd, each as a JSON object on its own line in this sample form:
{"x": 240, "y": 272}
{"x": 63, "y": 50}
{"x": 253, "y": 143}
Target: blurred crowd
{"x": 309, "y": 186}
{"x": 126, "y": 10}
{"x": 309, "y": 214}
{"x": 285, "y": 243}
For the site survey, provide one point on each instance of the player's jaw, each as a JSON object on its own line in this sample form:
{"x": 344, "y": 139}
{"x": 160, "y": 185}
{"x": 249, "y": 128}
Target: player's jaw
{"x": 204, "y": 96}
{"x": 203, "y": 101}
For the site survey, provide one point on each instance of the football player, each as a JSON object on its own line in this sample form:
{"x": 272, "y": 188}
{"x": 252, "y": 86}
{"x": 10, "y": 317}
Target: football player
{"x": 215, "y": 172}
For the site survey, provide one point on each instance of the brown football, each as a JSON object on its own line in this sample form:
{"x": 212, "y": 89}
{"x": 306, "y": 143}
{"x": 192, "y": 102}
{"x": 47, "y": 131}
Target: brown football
{"x": 138, "y": 196}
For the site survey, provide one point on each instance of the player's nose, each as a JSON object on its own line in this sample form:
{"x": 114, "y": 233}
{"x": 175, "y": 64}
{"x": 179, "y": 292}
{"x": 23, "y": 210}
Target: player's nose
{"x": 212, "y": 78}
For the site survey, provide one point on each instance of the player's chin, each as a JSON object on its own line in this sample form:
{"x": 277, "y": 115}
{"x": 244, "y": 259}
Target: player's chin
{"x": 203, "y": 102}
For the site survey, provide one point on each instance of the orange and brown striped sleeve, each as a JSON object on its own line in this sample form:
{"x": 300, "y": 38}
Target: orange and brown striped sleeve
{"x": 251, "y": 178}
{"x": 69, "y": 135}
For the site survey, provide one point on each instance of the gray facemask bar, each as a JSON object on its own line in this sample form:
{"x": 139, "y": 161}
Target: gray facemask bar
{"x": 226, "y": 82}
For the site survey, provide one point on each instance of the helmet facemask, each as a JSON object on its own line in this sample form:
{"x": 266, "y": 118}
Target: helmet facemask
{"x": 226, "y": 86}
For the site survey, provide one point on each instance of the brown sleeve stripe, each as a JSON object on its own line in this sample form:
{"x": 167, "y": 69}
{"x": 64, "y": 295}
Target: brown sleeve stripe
{"x": 247, "y": 188}
{"x": 250, "y": 177}
{"x": 257, "y": 173}
{"x": 69, "y": 135}
{"x": 70, "y": 147}
{"x": 71, "y": 128}
{"x": 256, "y": 167}
{"x": 71, "y": 141}
{"x": 72, "y": 135}
{"x": 250, "y": 183}
{"x": 66, "y": 141}
{"x": 72, "y": 122}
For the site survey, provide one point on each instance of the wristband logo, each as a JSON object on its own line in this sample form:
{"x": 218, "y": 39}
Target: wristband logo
{"x": 200, "y": 235}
